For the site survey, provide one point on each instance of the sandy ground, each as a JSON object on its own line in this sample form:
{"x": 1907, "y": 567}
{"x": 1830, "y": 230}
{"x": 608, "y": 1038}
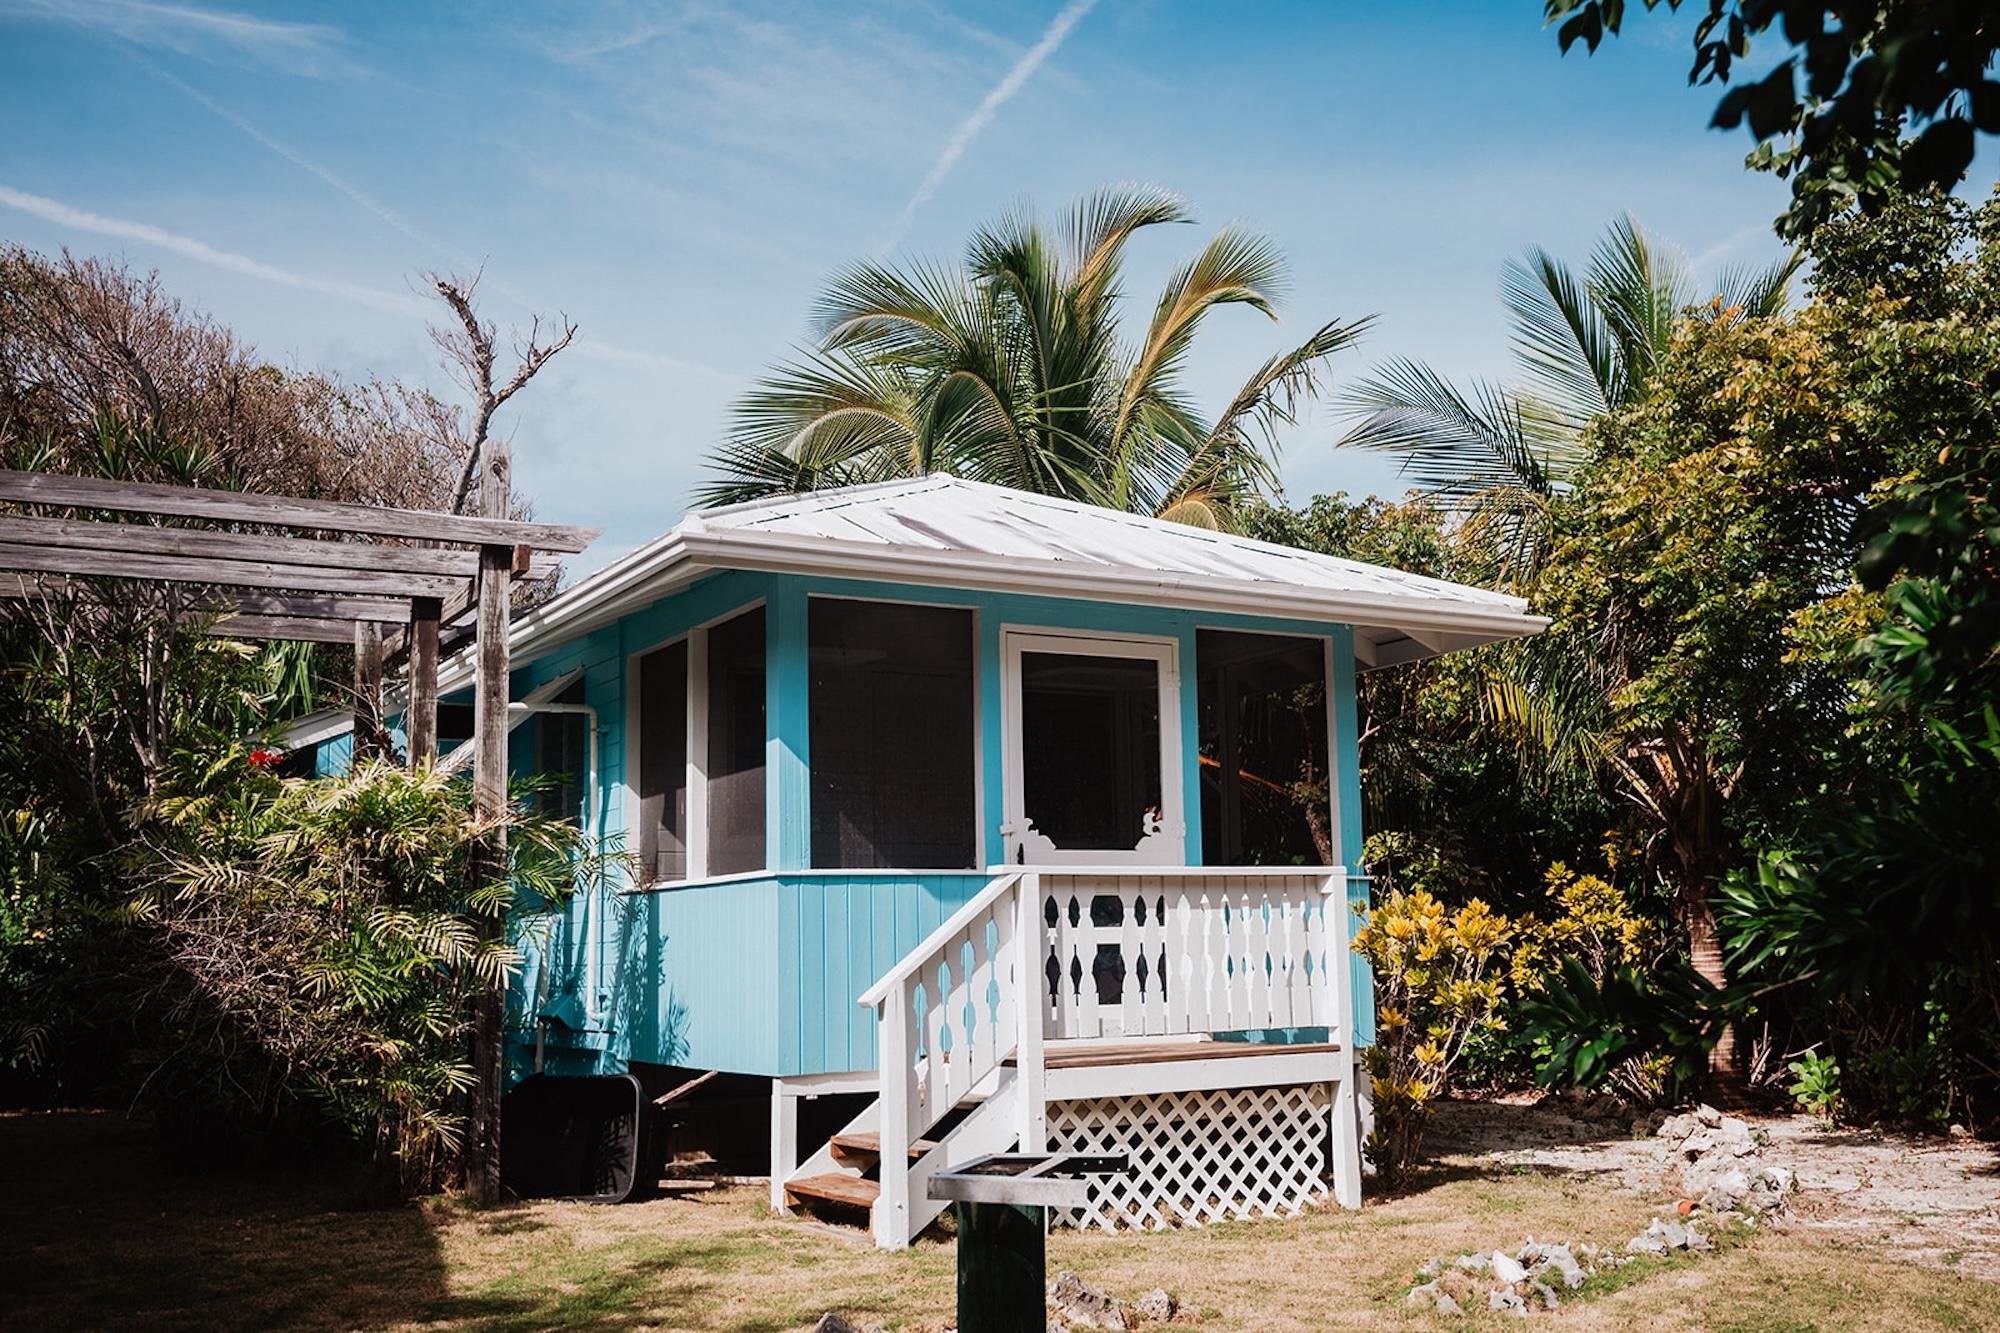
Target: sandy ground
{"x": 1925, "y": 1200}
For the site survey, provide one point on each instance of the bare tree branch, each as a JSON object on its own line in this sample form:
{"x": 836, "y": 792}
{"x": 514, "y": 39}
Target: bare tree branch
{"x": 469, "y": 355}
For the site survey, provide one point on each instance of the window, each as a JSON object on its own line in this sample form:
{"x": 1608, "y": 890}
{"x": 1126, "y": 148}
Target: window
{"x": 663, "y": 762}
{"x": 561, "y": 741}
{"x": 1265, "y": 798}
{"x": 736, "y": 744}
{"x": 892, "y": 705}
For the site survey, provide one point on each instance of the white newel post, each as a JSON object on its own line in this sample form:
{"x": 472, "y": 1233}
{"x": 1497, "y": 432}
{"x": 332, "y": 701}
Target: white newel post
{"x": 1030, "y": 991}
{"x": 891, "y": 1217}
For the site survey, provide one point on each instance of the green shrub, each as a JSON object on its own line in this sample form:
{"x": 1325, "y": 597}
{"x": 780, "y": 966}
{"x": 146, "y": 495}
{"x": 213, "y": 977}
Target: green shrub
{"x": 1815, "y": 1086}
{"x": 1439, "y": 978}
{"x": 324, "y": 939}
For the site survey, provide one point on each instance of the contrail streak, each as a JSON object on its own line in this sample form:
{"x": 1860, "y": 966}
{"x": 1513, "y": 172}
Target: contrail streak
{"x": 982, "y": 115}
{"x": 54, "y": 210}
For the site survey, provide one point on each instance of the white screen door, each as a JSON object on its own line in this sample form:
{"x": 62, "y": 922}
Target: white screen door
{"x": 1093, "y": 754}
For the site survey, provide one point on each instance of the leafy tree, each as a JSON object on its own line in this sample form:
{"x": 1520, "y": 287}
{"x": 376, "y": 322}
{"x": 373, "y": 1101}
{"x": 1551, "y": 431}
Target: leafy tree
{"x": 1516, "y": 463}
{"x": 1834, "y": 115}
{"x": 1715, "y": 515}
{"x": 1009, "y": 368}
{"x": 1880, "y": 907}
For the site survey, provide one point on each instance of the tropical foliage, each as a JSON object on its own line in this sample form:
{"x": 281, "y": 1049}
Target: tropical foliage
{"x": 1591, "y": 345}
{"x": 1771, "y": 572}
{"x": 1009, "y": 367}
{"x": 1440, "y": 976}
{"x": 325, "y": 940}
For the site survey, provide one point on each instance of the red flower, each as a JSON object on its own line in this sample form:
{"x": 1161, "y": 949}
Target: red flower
{"x": 262, "y": 759}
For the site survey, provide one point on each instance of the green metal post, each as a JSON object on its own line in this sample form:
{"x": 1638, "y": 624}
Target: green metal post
{"x": 1002, "y": 1268}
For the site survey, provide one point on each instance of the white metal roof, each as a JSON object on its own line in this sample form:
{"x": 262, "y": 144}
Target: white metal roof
{"x": 945, "y": 532}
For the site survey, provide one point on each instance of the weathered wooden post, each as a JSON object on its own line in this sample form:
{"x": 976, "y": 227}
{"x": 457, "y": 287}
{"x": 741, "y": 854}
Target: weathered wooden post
{"x": 367, "y": 690}
{"x": 422, "y": 717}
{"x": 489, "y": 803}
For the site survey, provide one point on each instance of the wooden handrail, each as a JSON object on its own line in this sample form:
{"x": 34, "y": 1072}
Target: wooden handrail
{"x": 918, "y": 956}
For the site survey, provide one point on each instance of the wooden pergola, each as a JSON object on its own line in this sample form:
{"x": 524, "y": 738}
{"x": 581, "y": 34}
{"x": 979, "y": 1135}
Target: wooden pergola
{"x": 384, "y": 580}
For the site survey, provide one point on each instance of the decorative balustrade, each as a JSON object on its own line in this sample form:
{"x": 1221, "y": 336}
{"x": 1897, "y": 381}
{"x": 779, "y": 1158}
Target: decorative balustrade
{"x": 1177, "y": 952}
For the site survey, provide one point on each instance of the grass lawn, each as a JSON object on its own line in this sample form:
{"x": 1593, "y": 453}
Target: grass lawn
{"x": 92, "y": 1234}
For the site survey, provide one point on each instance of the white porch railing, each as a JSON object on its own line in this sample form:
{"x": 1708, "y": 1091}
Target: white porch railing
{"x": 1070, "y": 953}
{"x": 1162, "y": 953}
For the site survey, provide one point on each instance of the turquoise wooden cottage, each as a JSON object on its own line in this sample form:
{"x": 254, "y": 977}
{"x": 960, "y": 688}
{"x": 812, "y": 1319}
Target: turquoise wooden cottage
{"x": 1030, "y": 819}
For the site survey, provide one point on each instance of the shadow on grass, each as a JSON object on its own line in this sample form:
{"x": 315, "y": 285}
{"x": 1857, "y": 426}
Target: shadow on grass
{"x": 99, "y": 1235}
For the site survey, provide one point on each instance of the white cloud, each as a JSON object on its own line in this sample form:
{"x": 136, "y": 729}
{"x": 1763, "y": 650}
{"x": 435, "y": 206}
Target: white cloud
{"x": 982, "y": 115}
{"x": 299, "y": 48}
{"x": 144, "y": 233}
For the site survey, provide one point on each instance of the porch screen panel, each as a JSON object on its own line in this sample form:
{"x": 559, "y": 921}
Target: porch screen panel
{"x": 892, "y": 736}
{"x": 1265, "y": 798}
{"x": 736, "y": 744}
{"x": 663, "y": 762}
{"x": 1090, "y": 745}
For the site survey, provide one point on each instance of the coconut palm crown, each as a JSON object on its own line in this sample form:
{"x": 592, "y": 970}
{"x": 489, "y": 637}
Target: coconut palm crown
{"x": 1586, "y": 344}
{"x": 1008, "y": 367}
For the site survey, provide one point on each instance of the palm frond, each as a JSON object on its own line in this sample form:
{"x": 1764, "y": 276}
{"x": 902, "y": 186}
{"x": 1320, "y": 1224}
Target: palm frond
{"x": 1560, "y": 337}
{"x": 815, "y": 422}
{"x": 1235, "y": 267}
{"x": 1642, "y": 287}
{"x": 1101, "y": 222}
{"x": 894, "y": 312}
{"x": 1760, "y": 292}
{"x": 1456, "y": 444}
{"x": 1270, "y": 397}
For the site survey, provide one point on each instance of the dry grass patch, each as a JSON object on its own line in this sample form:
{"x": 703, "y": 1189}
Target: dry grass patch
{"x": 97, "y": 1236}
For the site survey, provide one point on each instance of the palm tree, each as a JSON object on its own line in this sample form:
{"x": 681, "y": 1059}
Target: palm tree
{"x": 1587, "y": 345}
{"x": 1008, "y": 367}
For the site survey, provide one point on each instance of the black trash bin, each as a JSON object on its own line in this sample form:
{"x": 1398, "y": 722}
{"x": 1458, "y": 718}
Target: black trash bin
{"x": 582, "y": 1137}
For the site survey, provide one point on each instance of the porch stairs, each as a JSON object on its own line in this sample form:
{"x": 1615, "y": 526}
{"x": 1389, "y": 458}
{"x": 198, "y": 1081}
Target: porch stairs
{"x": 1093, "y": 997}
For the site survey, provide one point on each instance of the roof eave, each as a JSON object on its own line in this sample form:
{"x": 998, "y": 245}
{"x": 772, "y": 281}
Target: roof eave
{"x": 694, "y": 550}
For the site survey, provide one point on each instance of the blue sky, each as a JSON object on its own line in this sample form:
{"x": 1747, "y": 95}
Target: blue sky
{"x": 681, "y": 178}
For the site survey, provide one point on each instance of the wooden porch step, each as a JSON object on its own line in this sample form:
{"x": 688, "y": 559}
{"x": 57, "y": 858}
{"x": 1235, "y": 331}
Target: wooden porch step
{"x": 868, "y": 1143}
{"x": 1096, "y": 1054}
{"x": 833, "y": 1187}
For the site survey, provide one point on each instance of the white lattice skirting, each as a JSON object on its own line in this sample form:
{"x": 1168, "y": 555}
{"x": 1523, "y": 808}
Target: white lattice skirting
{"x": 1199, "y": 1157}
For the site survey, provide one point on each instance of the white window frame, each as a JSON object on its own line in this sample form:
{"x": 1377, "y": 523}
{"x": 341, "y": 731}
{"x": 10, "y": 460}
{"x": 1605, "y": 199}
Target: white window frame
{"x": 696, "y": 832}
{"x": 1165, "y": 847}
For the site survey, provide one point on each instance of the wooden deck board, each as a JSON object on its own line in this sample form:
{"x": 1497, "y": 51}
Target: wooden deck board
{"x": 1086, "y": 1055}
{"x": 869, "y": 1142}
{"x": 835, "y": 1188}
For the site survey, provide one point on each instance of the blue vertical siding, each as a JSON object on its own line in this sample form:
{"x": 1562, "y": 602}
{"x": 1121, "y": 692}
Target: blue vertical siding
{"x": 839, "y": 935}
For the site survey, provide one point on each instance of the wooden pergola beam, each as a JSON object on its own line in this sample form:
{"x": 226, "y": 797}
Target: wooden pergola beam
{"x": 228, "y": 573}
{"x": 386, "y": 610}
{"x": 198, "y": 542}
{"x": 297, "y": 629}
{"x": 383, "y": 610}
{"x": 133, "y": 497}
